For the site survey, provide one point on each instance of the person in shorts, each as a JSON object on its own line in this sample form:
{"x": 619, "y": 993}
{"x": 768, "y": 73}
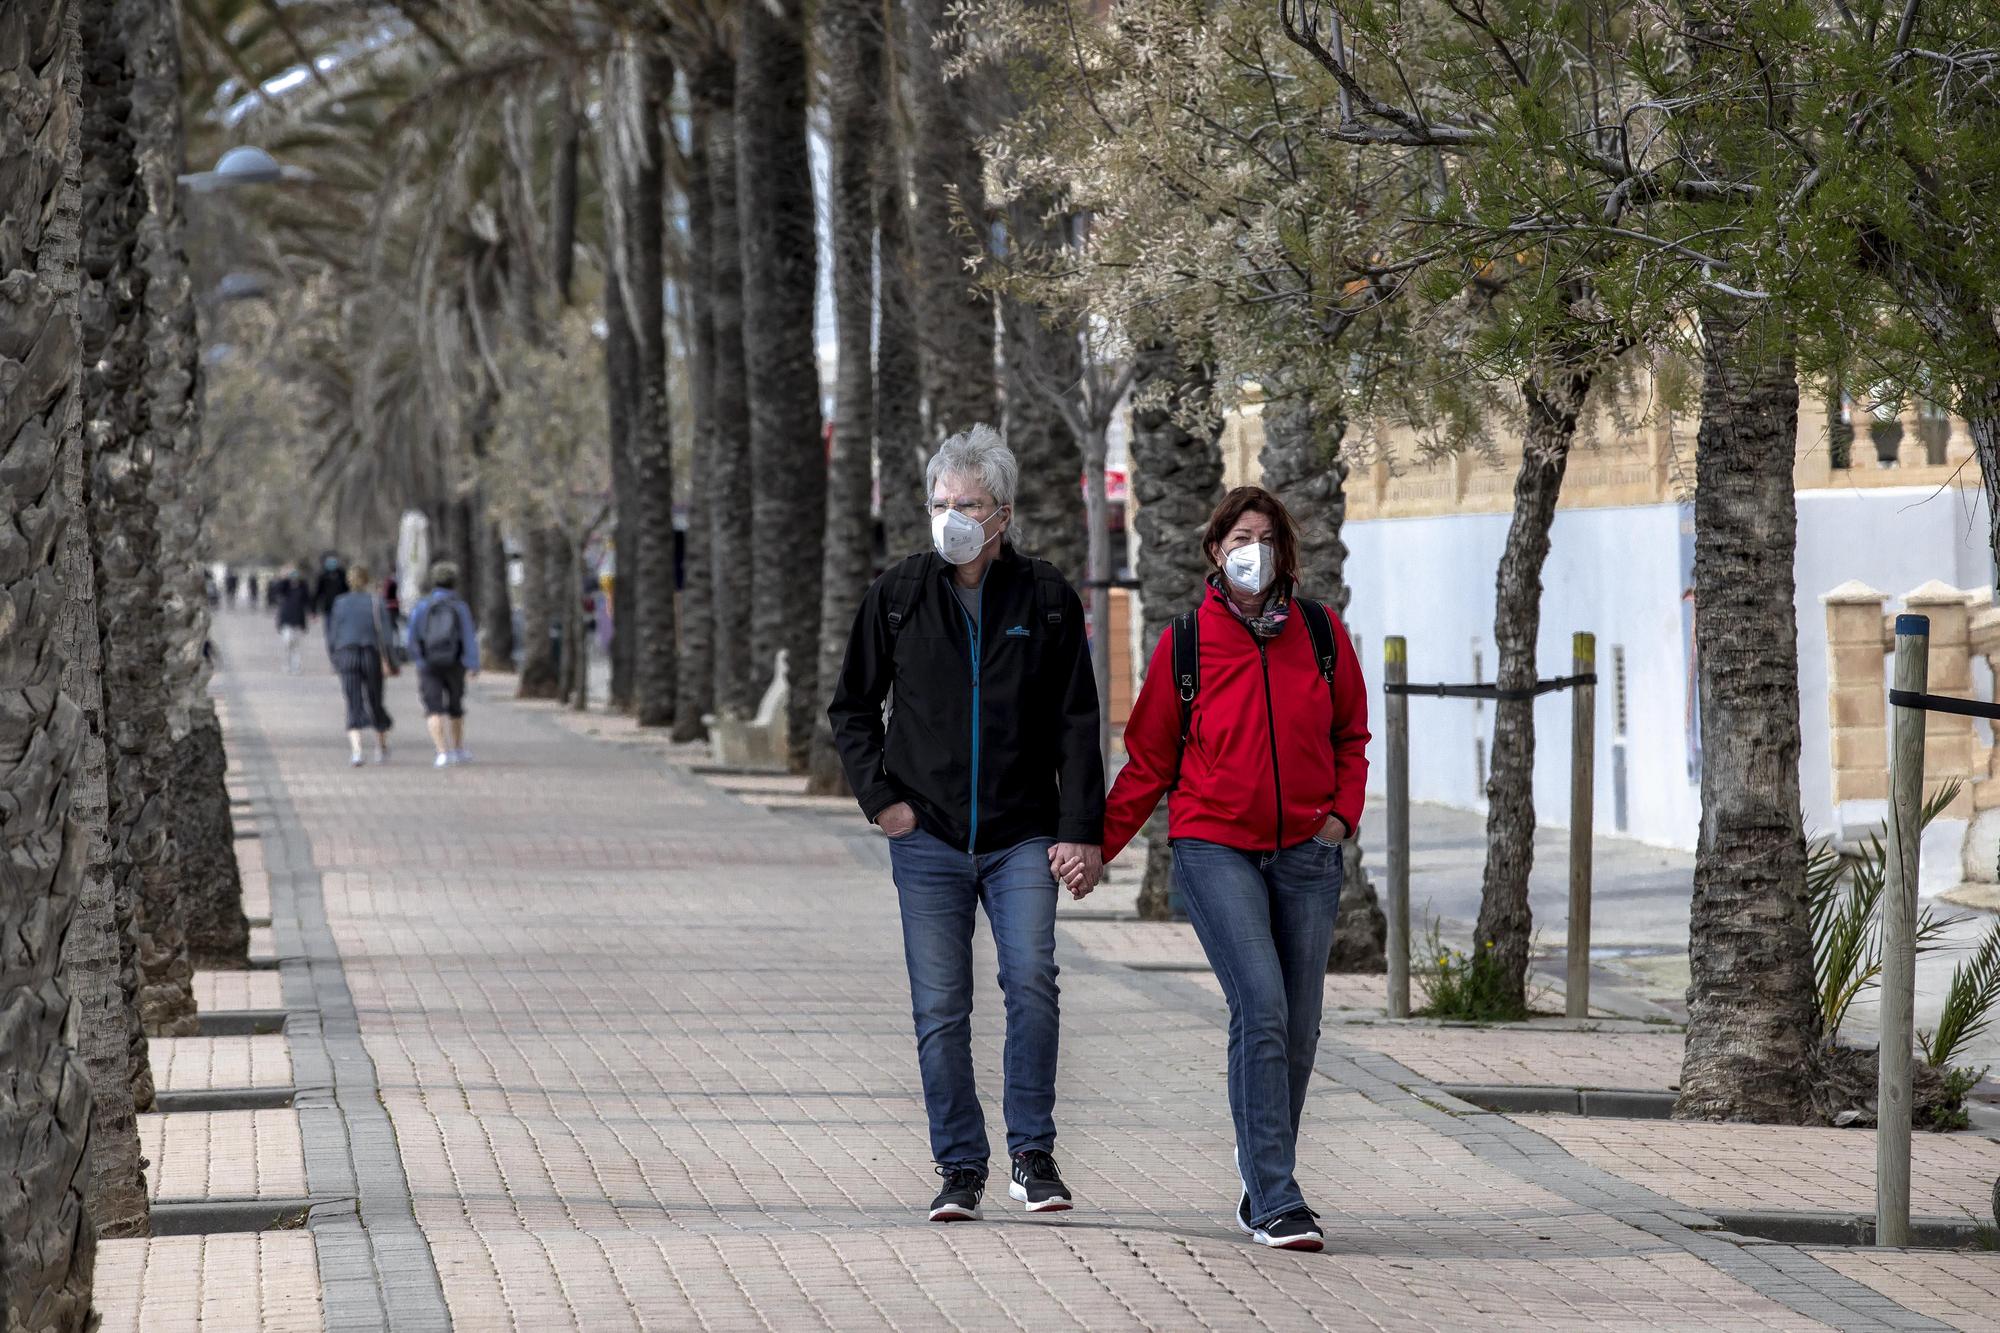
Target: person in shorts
{"x": 444, "y": 644}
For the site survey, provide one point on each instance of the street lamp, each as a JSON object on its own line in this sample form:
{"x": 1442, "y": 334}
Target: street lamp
{"x": 244, "y": 165}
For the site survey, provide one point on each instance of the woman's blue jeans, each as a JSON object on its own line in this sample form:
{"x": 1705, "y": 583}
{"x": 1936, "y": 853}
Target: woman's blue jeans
{"x": 1265, "y": 919}
{"x": 940, "y": 888}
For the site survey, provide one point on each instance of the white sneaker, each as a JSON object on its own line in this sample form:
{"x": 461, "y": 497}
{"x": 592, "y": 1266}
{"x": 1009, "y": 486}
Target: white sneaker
{"x": 442, "y": 761}
{"x": 461, "y": 756}
{"x": 354, "y": 760}
{"x": 382, "y": 755}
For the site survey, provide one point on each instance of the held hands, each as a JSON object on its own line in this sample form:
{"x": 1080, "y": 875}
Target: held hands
{"x": 897, "y": 820}
{"x": 1079, "y": 865}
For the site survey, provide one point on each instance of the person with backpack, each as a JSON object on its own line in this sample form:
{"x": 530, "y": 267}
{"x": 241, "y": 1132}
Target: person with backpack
{"x": 445, "y": 646}
{"x": 357, "y": 642}
{"x": 986, "y": 766}
{"x": 1254, "y": 716}
{"x": 292, "y": 600}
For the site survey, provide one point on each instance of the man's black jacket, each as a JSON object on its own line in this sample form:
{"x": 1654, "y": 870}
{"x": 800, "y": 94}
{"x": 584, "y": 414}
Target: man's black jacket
{"x": 1025, "y": 721}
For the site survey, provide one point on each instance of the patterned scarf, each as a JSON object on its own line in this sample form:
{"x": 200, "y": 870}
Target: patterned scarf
{"x": 1277, "y": 607}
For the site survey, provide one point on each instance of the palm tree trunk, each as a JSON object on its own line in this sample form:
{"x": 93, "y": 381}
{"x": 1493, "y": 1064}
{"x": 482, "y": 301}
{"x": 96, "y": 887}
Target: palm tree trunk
{"x": 788, "y": 453}
{"x": 899, "y": 386}
{"x": 851, "y": 37}
{"x": 1505, "y": 928}
{"x": 1177, "y": 481}
{"x": 1040, "y": 361}
{"x": 620, "y": 373}
{"x": 211, "y": 887}
{"x": 539, "y": 556}
{"x": 1753, "y": 1014}
{"x": 1302, "y": 466}
{"x": 99, "y": 956}
{"x": 642, "y": 182}
{"x": 739, "y": 676}
{"x": 954, "y": 313}
{"x": 125, "y": 526}
{"x": 45, "y": 1111}
{"x": 698, "y": 621}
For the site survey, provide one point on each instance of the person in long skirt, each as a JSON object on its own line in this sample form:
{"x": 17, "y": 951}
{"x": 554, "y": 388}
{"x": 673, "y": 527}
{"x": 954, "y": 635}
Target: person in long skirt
{"x": 357, "y": 640}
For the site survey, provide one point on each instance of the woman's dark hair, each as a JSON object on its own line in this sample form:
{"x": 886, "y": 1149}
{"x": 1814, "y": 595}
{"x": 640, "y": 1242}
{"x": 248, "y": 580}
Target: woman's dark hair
{"x": 1284, "y": 534}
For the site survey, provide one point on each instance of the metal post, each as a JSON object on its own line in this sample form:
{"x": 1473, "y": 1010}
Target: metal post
{"x": 1582, "y": 820}
{"x": 1899, "y": 935}
{"x": 1396, "y": 711}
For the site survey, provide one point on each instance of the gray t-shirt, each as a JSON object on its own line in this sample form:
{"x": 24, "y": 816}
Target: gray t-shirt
{"x": 967, "y": 598}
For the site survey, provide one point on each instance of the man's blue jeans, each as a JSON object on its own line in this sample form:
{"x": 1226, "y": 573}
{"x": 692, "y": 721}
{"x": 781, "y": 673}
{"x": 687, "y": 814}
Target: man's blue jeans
{"x": 1265, "y": 919}
{"x": 938, "y": 887}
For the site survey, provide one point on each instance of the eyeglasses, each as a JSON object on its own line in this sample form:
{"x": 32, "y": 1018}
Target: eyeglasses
{"x": 969, "y": 508}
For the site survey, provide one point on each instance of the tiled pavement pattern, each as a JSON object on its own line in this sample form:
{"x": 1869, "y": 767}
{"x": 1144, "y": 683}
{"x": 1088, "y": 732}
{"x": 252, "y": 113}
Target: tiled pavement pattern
{"x": 238, "y": 990}
{"x": 223, "y": 1155}
{"x": 1529, "y": 1058}
{"x": 1962, "y": 1289}
{"x": 1774, "y": 1168}
{"x": 645, "y": 1052}
{"x": 189, "y": 1064}
{"x": 235, "y": 1283}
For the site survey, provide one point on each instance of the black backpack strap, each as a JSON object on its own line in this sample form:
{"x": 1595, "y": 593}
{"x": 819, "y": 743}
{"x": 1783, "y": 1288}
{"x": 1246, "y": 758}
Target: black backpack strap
{"x": 1326, "y": 644}
{"x": 1187, "y": 677}
{"x": 1049, "y": 589}
{"x": 903, "y": 594}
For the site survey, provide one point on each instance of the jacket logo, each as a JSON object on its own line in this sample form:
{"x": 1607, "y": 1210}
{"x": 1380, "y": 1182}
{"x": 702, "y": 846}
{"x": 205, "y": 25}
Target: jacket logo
{"x": 1018, "y": 632}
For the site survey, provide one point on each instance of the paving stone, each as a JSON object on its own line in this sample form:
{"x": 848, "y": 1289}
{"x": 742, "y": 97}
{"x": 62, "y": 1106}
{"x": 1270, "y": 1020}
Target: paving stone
{"x": 1529, "y": 1058}
{"x": 231, "y": 1283}
{"x": 190, "y": 1064}
{"x": 254, "y": 989}
{"x": 1960, "y": 1288}
{"x": 223, "y": 1155}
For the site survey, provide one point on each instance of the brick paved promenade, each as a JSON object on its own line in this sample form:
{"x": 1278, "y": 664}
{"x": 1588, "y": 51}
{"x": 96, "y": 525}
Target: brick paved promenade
{"x": 596, "y": 1044}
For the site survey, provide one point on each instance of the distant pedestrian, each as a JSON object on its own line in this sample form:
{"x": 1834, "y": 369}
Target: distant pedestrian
{"x": 1255, "y": 717}
{"x": 445, "y": 646}
{"x": 332, "y": 584}
{"x": 357, "y": 641}
{"x": 392, "y": 602}
{"x": 987, "y": 770}
{"x": 231, "y": 582}
{"x": 293, "y": 601}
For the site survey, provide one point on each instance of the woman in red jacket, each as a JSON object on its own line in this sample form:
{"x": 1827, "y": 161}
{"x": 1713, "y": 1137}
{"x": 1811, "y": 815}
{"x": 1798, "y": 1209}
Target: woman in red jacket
{"x": 1267, "y": 785}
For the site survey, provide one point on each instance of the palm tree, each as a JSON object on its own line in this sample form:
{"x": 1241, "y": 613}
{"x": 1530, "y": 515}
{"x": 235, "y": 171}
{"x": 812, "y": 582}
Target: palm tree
{"x": 788, "y": 455}
{"x": 1041, "y": 357}
{"x": 45, "y": 1119}
{"x": 620, "y": 372}
{"x": 698, "y": 622}
{"x": 1177, "y": 480}
{"x": 899, "y": 386}
{"x": 851, "y": 40}
{"x": 120, "y": 441}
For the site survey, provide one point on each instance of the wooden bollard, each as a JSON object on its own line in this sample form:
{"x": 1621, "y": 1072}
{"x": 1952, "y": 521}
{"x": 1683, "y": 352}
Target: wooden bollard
{"x": 1899, "y": 937}
{"x": 1582, "y": 819}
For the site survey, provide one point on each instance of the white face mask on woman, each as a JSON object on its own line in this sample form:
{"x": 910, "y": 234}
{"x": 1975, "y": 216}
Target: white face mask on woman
{"x": 958, "y": 539}
{"x": 1249, "y": 569}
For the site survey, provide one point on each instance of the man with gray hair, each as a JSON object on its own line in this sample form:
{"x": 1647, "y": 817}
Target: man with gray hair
{"x": 445, "y": 646}
{"x": 985, "y": 769}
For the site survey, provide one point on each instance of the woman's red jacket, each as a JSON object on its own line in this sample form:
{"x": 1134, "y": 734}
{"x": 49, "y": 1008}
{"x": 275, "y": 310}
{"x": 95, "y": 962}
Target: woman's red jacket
{"x": 1270, "y": 753}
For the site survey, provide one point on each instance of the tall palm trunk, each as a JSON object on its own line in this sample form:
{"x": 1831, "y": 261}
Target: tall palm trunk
{"x": 124, "y": 517}
{"x": 642, "y": 186}
{"x": 1505, "y": 925}
{"x": 738, "y": 677}
{"x": 1302, "y": 466}
{"x": 698, "y": 621}
{"x": 1177, "y": 481}
{"x": 954, "y": 313}
{"x": 45, "y": 1106}
{"x": 620, "y": 375}
{"x": 1042, "y": 361}
{"x": 899, "y": 388}
{"x": 851, "y": 37}
{"x": 1753, "y": 1015}
{"x": 541, "y": 552}
{"x": 99, "y": 955}
{"x": 788, "y": 454}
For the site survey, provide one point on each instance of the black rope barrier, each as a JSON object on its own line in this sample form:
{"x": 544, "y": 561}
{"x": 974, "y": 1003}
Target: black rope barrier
{"x": 1539, "y": 688}
{"x": 1941, "y": 703}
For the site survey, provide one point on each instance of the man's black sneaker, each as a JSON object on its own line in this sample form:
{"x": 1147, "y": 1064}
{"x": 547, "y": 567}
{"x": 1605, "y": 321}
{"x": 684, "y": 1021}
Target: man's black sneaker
{"x": 1296, "y": 1230}
{"x": 958, "y": 1201}
{"x": 1037, "y": 1184}
{"x": 1243, "y": 1215}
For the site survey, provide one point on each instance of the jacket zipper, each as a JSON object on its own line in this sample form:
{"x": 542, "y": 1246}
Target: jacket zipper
{"x": 1271, "y": 729}
{"x": 972, "y": 627}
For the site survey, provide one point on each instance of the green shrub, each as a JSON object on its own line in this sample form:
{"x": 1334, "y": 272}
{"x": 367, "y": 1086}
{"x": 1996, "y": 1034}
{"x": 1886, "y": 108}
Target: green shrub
{"x": 1466, "y": 987}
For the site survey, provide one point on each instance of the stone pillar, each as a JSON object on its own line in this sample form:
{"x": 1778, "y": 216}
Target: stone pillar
{"x": 1857, "y": 682}
{"x": 1950, "y": 745}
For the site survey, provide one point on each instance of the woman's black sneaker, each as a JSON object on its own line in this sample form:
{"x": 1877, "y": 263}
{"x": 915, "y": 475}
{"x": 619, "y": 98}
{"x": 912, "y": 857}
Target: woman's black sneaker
{"x": 1037, "y": 1184}
{"x": 958, "y": 1201}
{"x": 1296, "y": 1230}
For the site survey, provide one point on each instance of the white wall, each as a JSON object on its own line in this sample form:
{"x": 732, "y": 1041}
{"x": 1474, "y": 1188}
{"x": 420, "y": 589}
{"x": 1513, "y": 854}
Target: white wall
{"x": 1617, "y": 572}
